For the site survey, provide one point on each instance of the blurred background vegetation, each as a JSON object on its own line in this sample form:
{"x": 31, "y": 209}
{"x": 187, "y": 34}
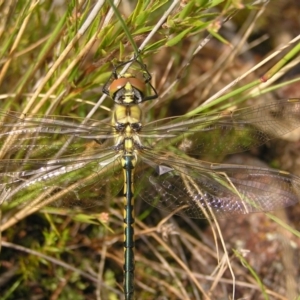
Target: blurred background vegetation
{"x": 204, "y": 56}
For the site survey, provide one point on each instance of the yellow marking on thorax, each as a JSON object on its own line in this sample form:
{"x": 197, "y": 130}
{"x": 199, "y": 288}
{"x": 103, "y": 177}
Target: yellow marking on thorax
{"x": 128, "y": 145}
{"x": 127, "y": 115}
{"x": 129, "y": 93}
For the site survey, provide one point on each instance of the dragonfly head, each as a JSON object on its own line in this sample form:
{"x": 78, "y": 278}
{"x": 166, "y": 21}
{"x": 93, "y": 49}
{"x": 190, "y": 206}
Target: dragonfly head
{"x": 127, "y": 90}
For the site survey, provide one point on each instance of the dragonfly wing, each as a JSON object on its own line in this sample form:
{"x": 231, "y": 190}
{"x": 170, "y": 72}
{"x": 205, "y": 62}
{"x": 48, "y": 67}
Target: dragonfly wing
{"x": 67, "y": 125}
{"x": 56, "y": 161}
{"x": 42, "y": 137}
{"x": 194, "y": 188}
{"x": 64, "y": 182}
{"x": 221, "y": 134}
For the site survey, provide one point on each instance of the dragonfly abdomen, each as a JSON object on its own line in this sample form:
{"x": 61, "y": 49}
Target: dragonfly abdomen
{"x": 128, "y": 163}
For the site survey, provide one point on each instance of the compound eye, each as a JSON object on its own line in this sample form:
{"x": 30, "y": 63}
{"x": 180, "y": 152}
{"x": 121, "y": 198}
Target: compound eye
{"x": 120, "y": 83}
{"x": 137, "y": 84}
{"x": 117, "y": 85}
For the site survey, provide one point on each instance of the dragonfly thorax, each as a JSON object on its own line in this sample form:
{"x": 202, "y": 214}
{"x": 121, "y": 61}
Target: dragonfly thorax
{"x": 127, "y": 123}
{"x": 124, "y": 114}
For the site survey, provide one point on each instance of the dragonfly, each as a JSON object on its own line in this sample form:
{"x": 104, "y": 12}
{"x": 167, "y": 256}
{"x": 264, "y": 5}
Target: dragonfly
{"x": 62, "y": 161}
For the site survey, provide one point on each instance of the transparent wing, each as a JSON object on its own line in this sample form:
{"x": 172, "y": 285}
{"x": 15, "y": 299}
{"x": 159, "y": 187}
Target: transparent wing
{"x": 61, "y": 160}
{"x": 193, "y": 188}
{"x": 11, "y": 122}
{"x": 34, "y": 136}
{"x": 233, "y": 132}
{"x": 81, "y": 184}
{"x": 56, "y": 161}
{"x": 38, "y": 139}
